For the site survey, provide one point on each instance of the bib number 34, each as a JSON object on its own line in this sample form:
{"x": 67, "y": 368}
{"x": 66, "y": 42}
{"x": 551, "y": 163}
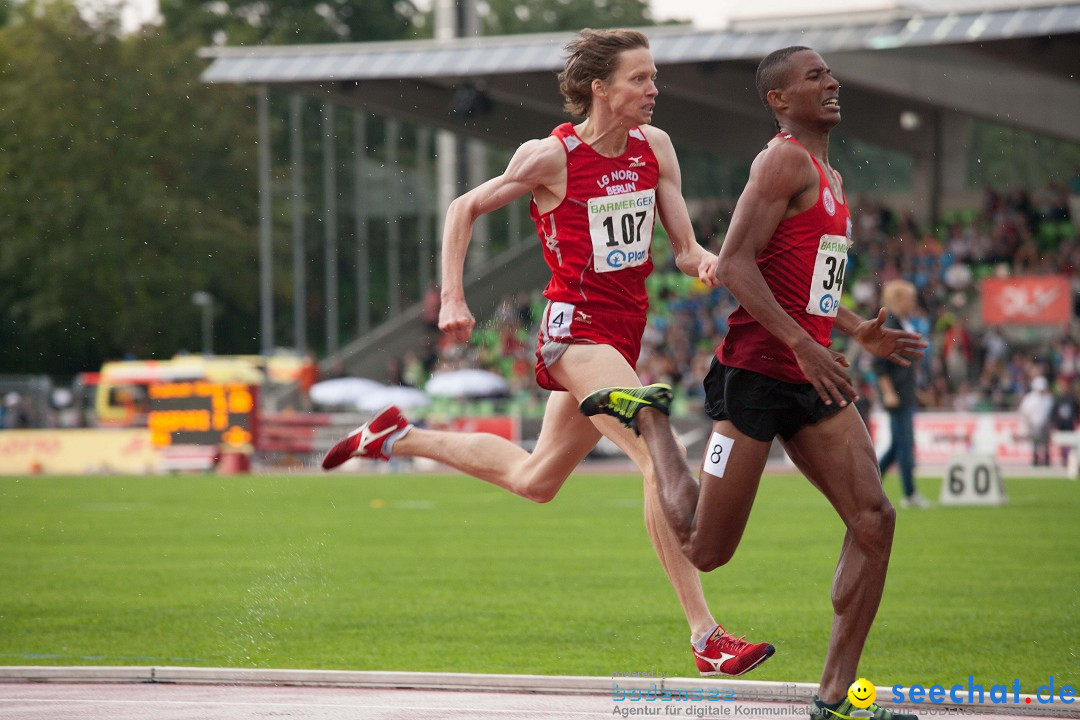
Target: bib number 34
{"x": 827, "y": 285}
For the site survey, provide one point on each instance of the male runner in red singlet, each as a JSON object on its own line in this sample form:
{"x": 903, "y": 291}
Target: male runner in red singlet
{"x": 784, "y": 260}
{"x": 597, "y": 188}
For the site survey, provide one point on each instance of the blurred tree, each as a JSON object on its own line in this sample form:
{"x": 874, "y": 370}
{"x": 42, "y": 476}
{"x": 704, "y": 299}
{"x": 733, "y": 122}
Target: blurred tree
{"x": 506, "y": 17}
{"x": 128, "y": 185}
{"x": 283, "y": 22}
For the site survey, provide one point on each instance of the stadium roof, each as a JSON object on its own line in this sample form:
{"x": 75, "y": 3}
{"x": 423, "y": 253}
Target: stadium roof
{"x": 1015, "y": 65}
{"x": 670, "y": 44}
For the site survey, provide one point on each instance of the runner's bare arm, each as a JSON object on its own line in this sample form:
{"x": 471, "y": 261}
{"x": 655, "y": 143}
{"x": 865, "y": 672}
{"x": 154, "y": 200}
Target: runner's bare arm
{"x": 690, "y": 257}
{"x": 536, "y": 164}
{"x": 898, "y": 346}
{"x": 779, "y": 176}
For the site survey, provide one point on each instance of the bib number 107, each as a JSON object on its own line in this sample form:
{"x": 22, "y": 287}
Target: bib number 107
{"x": 629, "y": 225}
{"x": 621, "y": 228}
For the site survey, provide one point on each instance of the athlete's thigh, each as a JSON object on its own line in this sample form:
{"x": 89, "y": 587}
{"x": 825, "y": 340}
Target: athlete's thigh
{"x": 585, "y": 368}
{"x": 566, "y": 437}
{"x": 730, "y": 475}
{"x": 837, "y": 456}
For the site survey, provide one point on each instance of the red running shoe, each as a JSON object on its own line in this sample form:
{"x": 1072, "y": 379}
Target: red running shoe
{"x": 367, "y": 440}
{"x": 725, "y": 654}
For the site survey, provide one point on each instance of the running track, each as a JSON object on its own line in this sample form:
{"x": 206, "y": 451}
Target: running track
{"x": 143, "y": 693}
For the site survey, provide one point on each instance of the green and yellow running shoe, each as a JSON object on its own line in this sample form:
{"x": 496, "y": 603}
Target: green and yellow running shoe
{"x": 846, "y": 711}
{"x": 623, "y": 403}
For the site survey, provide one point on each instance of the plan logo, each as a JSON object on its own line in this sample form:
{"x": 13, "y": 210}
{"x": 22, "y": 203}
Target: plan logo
{"x": 619, "y": 258}
{"x": 828, "y": 304}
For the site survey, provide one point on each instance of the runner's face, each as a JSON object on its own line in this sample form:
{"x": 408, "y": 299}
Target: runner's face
{"x": 812, "y": 93}
{"x": 631, "y": 90}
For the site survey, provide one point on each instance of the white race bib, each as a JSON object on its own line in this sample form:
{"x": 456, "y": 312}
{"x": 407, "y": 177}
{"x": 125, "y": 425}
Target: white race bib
{"x": 559, "y": 318}
{"x": 827, "y": 285}
{"x": 621, "y": 228}
{"x": 717, "y": 454}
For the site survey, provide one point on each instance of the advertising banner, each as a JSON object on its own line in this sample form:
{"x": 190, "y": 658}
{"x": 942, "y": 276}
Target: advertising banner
{"x": 1030, "y": 300}
{"x": 941, "y": 435}
{"x": 75, "y": 452}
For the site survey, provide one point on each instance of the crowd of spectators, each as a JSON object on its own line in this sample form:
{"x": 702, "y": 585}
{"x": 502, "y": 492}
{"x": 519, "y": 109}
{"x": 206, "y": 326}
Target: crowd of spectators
{"x": 968, "y": 366}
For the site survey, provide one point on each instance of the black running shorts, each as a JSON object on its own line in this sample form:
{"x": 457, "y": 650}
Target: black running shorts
{"x": 760, "y": 406}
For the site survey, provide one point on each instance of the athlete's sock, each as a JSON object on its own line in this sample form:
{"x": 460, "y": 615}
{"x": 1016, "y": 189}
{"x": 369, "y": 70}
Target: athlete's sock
{"x": 830, "y": 706}
{"x": 698, "y": 641}
{"x": 388, "y": 444}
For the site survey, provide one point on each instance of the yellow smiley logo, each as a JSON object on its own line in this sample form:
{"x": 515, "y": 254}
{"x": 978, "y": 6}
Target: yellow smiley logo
{"x": 862, "y": 693}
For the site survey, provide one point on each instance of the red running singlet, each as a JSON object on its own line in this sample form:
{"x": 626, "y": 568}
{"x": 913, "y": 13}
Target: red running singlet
{"x": 597, "y": 240}
{"x": 803, "y": 264}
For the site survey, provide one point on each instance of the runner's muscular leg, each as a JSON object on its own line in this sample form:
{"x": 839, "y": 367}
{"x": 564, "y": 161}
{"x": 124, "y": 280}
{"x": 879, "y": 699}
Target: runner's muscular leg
{"x": 708, "y": 518}
{"x": 566, "y": 437}
{"x": 585, "y": 368}
{"x": 836, "y": 455}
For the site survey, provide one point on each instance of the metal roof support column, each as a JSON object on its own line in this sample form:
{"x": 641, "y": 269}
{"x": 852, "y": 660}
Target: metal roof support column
{"x": 360, "y": 217}
{"x": 956, "y": 139}
{"x": 330, "y": 234}
{"x": 457, "y": 157}
{"x": 475, "y": 151}
{"x": 299, "y": 251}
{"x": 393, "y": 218}
{"x": 446, "y": 187}
{"x": 266, "y": 238}
{"x": 941, "y": 173}
{"x": 446, "y": 184}
{"x": 422, "y": 204}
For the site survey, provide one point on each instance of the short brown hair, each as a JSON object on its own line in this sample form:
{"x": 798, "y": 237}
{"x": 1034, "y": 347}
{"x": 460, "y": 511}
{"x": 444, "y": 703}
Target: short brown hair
{"x": 593, "y": 55}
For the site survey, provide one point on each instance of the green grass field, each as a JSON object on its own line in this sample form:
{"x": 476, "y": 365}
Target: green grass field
{"x": 448, "y": 574}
